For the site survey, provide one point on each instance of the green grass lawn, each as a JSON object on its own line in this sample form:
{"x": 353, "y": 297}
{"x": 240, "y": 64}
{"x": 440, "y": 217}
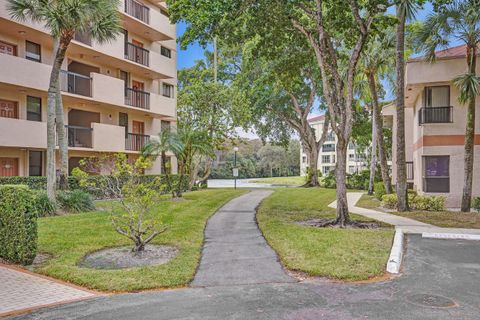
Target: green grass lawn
{"x": 69, "y": 238}
{"x": 346, "y": 254}
{"x": 292, "y": 181}
{"x": 444, "y": 219}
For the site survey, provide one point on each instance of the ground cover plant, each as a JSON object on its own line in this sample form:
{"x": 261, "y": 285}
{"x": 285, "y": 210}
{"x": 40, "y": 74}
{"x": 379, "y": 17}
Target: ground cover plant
{"x": 346, "y": 254}
{"x": 68, "y": 239}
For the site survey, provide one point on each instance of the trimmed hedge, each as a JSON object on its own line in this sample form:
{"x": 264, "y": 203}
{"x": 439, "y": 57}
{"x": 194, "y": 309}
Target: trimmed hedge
{"x": 416, "y": 202}
{"x": 40, "y": 183}
{"x": 18, "y": 224}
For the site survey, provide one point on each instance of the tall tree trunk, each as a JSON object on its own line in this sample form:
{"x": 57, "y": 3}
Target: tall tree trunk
{"x": 313, "y": 158}
{"x": 469, "y": 136}
{"x": 62, "y": 141}
{"x": 378, "y": 137}
{"x": 373, "y": 160}
{"x": 343, "y": 217}
{"x": 400, "y": 109}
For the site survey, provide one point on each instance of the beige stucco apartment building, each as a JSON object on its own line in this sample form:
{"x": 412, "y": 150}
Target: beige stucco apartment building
{"x": 435, "y": 127}
{"x": 326, "y": 159}
{"x": 116, "y": 95}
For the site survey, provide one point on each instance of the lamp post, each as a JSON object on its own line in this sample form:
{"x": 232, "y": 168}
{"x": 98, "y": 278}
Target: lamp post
{"x": 235, "y": 169}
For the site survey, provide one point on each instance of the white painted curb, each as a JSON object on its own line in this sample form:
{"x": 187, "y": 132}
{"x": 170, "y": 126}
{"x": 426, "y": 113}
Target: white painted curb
{"x": 396, "y": 255}
{"x": 453, "y": 236}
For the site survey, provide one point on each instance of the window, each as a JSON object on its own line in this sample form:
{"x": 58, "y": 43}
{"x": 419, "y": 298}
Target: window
{"x": 167, "y": 90}
{"x": 34, "y": 108}
{"x": 35, "y": 163}
{"x": 33, "y": 51}
{"x": 436, "y": 174}
{"x": 165, "y": 126}
{"x": 437, "y": 97}
{"x": 351, "y": 169}
{"x": 325, "y": 159}
{"x": 304, "y": 159}
{"x": 351, "y": 157}
{"x": 328, "y": 148}
{"x": 351, "y": 146}
{"x": 325, "y": 170}
{"x": 330, "y": 136}
{"x": 166, "y": 52}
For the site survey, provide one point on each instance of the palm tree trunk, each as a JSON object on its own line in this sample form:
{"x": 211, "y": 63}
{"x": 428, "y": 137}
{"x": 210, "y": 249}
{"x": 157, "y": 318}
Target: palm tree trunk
{"x": 62, "y": 141}
{"x": 469, "y": 136}
{"x": 373, "y": 160}
{"x": 343, "y": 217}
{"x": 400, "y": 109}
{"x": 378, "y": 137}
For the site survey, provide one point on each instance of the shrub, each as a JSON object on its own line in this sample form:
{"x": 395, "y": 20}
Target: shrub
{"x": 358, "y": 180}
{"x": 389, "y": 201}
{"x": 43, "y": 205}
{"x": 379, "y": 189}
{"x": 437, "y": 203}
{"x": 329, "y": 181}
{"x": 75, "y": 201}
{"x": 476, "y": 204}
{"x": 18, "y": 224}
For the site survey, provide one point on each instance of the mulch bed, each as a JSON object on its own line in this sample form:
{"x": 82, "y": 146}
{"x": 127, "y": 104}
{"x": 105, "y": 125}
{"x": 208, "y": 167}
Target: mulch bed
{"x": 327, "y": 223}
{"x": 124, "y": 257}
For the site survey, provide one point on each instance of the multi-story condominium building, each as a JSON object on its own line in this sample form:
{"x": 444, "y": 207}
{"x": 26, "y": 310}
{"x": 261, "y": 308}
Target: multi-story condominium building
{"x": 327, "y": 154}
{"x": 435, "y": 127}
{"x": 116, "y": 95}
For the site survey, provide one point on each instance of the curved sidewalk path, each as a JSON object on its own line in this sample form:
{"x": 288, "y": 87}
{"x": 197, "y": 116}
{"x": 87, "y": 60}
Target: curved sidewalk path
{"x": 235, "y": 252}
{"x": 407, "y": 225}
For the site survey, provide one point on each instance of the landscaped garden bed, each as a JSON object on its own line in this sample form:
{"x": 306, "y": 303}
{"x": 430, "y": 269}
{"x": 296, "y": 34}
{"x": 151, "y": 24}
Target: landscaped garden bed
{"x": 345, "y": 254}
{"x": 68, "y": 240}
{"x": 444, "y": 219}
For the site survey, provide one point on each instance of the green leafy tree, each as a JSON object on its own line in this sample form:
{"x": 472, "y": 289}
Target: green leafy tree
{"x": 459, "y": 20}
{"x": 63, "y": 19}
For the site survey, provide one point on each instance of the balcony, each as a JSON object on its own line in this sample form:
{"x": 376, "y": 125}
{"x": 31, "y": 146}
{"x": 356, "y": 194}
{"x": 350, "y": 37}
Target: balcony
{"x": 135, "y": 141}
{"x": 23, "y": 133}
{"x": 84, "y": 38}
{"x": 137, "y": 10}
{"x": 328, "y": 148}
{"x": 137, "y": 54}
{"x": 435, "y": 115}
{"x": 75, "y": 83}
{"x": 137, "y": 98}
{"x": 79, "y": 137}
{"x": 108, "y": 137}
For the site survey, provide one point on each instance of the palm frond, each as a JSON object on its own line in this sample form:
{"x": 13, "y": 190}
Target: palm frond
{"x": 468, "y": 85}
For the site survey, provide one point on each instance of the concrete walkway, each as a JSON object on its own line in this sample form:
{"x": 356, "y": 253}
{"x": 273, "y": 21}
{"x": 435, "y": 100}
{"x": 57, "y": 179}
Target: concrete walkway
{"x": 21, "y": 291}
{"x": 407, "y": 225}
{"x": 235, "y": 252}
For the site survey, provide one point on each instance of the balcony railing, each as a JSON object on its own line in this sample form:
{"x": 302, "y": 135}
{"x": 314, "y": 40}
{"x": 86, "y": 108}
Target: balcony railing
{"x": 137, "y": 10}
{"x": 85, "y": 38}
{"x": 135, "y": 141}
{"x": 328, "y": 148}
{"x": 75, "y": 83}
{"x": 410, "y": 171}
{"x": 79, "y": 137}
{"x": 137, "y": 98}
{"x": 137, "y": 54}
{"x": 436, "y": 115}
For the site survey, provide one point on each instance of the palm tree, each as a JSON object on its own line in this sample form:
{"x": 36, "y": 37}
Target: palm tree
{"x": 377, "y": 63}
{"x": 459, "y": 20}
{"x": 99, "y": 18}
{"x": 405, "y": 9}
{"x": 185, "y": 143}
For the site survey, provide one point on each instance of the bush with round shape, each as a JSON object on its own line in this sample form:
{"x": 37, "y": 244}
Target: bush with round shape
{"x": 389, "y": 201}
{"x": 379, "y": 190}
{"x": 75, "y": 201}
{"x": 476, "y": 204}
{"x": 18, "y": 224}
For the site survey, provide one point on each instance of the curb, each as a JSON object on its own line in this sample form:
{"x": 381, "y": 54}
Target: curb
{"x": 450, "y": 236}
{"x": 396, "y": 255}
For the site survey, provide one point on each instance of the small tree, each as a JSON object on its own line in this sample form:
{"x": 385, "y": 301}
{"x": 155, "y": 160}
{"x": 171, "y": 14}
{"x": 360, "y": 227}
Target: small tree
{"x": 134, "y": 215}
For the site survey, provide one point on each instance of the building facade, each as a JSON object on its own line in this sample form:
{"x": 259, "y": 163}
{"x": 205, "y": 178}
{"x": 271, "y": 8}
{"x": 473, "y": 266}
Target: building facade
{"x": 326, "y": 158}
{"x": 116, "y": 95}
{"x": 435, "y": 127}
